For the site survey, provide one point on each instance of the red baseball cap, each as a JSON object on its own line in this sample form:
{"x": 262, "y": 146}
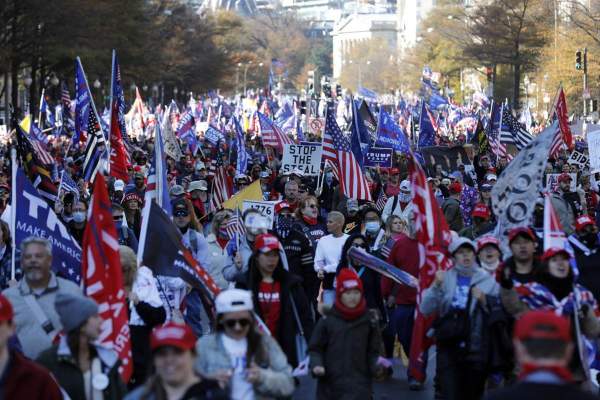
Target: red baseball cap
{"x": 583, "y": 221}
{"x": 6, "y": 309}
{"x": 553, "y": 251}
{"x": 455, "y": 187}
{"x": 542, "y": 325}
{"x": 281, "y": 205}
{"x": 481, "y": 210}
{"x": 487, "y": 240}
{"x": 173, "y": 334}
{"x": 521, "y": 231}
{"x": 564, "y": 177}
{"x": 266, "y": 242}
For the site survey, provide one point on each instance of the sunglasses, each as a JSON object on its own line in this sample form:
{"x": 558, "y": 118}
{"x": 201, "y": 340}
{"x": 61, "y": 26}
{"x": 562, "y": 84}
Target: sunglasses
{"x": 311, "y": 205}
{"x": 231, "y": 323}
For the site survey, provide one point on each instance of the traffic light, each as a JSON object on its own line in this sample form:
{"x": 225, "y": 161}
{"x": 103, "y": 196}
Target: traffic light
{"x": 578, "y": 61}
{"x": 302, "y": 107}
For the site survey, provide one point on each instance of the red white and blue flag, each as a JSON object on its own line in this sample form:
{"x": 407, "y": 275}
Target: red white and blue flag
{"x": 272, "y": 135}
{"x": 336, "y": 149}
{"x": 119, "y": 157}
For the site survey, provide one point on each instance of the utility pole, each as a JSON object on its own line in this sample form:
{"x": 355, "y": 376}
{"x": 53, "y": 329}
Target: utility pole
{"x": 586, "y": 91}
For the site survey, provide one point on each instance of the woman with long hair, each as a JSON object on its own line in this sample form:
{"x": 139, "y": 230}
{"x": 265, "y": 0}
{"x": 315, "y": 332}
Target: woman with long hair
{"x": 308, "y": 220}
{"x": 245, "y": 361}
{"x": 279, "y": 298}
{"x": 132, "y": 207}
{"x": 81, "y": 366}
{"x": 6, "y": 257}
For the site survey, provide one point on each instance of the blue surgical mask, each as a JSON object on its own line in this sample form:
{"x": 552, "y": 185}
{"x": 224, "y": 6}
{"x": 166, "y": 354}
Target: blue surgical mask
{"x": 372, "y": 226}
{"x": 79, "y": 216}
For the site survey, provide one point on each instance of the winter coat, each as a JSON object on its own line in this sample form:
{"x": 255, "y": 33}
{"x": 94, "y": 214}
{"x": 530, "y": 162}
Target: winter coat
{"x": 218, "y": 257}
{"x": 564, "y": 211}
{"x": 451, "y": 209}
{"x": 25, "y": 379}
{"x": 59, "y": 360}
{"x": 439, "y": 299}
{"x": 348, "y": 350}
{"x": 588, "y": 262}
{"x": 277, "y": 381}
{"x": 291, "y": 288}
{"x": 206, "y": 389}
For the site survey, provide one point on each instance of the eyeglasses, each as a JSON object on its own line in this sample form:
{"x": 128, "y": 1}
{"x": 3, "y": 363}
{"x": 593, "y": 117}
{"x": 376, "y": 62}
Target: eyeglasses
{"x": 231, "y": 323}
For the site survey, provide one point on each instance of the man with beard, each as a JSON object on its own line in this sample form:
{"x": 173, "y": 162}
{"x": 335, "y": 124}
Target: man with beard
{"x": 36, "y": 321}
{"x": 587, "y": 253}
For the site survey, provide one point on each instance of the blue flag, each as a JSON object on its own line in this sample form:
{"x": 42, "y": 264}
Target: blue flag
{"x": 213, "y": 135}
{"x": 359, "y": 136}
{"x": 186, "y": 131}
{"x": 426, "y": 129}
{"x": 240, "y": 144}
{"x": 34, "y": 217}
{"x": 283, "y": 114}
{"x": 389, "y": 134}
{"x": 82, "y": 101}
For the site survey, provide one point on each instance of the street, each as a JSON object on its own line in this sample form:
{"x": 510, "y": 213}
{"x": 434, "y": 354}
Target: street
{"x": 394, "y": 388}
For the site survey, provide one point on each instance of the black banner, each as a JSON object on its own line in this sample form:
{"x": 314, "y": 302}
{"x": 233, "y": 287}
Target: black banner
{"x": 449, "y": 157}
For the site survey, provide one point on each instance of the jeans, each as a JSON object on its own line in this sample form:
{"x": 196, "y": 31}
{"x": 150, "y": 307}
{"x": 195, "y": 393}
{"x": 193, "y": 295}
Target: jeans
{"x": 401, "y": 322}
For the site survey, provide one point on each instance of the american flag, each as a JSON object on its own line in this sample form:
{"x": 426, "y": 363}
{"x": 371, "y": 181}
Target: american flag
{"x": 563, "y": 138}
{"x": 38, "y": 165}
{"x": 157, "y": 188}
{"x": 512, "y": 131}
{"x": 68, "y": 185}
{"x": 39, "y": 141}
{"x": 381, "y": 200}
{"x": 221, "y": 189}
{"x": 434, "y": 236}
{"x": 95, "y": 148}
{"x": 336, "y": 148}
{"x": 234, "y": 225}
{"x": 493, "y": 132}
{"x": 272, "y": 135}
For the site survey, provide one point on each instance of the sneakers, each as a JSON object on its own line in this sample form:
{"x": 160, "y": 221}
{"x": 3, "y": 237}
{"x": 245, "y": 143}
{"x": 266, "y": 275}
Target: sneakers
{"x": 414, "y": 385}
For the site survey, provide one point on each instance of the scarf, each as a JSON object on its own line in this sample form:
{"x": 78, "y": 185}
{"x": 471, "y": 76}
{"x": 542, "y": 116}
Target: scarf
{"x": 350, "y": 314}
{"x": 538, "y": 297}
{"x": 562, "y": 372}
{"x": 309, "y": 220}
{"x": 465, "y": 271}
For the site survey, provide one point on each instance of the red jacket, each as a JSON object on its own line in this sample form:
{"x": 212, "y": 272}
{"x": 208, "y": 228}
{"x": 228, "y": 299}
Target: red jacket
{"x": 404, "y": 255}
{"x": 25, "y": 379}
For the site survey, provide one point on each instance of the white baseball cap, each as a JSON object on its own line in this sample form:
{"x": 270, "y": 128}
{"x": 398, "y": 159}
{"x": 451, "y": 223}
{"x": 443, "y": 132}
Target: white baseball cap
{"x": 460, "y": 242}
{"x": 233, "y": 300}
{"x": 197, "y": 185}
{"x": 119, "y": 185}
{"x": 405, "y": 186}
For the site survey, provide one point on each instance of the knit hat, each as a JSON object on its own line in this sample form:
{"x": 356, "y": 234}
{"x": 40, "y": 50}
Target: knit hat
{"x": 346, "y": 280}
{"x": 74, "y": 310}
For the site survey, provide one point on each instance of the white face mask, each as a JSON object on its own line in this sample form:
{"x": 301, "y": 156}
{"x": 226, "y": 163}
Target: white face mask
{"x": 404, "y": 197}
{"x": 490, "y": 267}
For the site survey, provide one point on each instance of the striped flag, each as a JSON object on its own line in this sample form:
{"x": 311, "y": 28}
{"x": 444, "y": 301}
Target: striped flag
{"x": 240, "y": 143}
{"x": 68, "y": 185}
{"x": 336, "y": 148}
{"x": 381, "y": 200}
{"x": 433, "y": 235}
{"x": 564, "y": 138}
{"x": 493, "y": 132}
{"x": 38, "y": 164}
{"x": 221, "y": 189}
{"x": 95, "y": 148}
{"x": 272, "y": 135}
{"x": 157, "y": 188}
{"x": 234, "y": 225}
{"x": 512, "y": 131}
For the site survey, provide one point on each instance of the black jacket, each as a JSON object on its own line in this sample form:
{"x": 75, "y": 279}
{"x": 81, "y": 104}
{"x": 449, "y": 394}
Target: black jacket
{"x": 348, "y": 350}
{"x": 589, "y": 269}
{"x": 291, "y": 288}
{"x": 545, "y": 391}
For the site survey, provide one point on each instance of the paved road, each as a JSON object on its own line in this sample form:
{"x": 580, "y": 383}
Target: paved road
{"x": 394, "y": 388}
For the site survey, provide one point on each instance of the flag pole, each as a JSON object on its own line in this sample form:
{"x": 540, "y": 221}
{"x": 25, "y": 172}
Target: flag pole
{"x": 110, "y": 106}
{"x": 13, "y": 212}
{"x": 40, "y": 109}
{"x": 553, "y": 104}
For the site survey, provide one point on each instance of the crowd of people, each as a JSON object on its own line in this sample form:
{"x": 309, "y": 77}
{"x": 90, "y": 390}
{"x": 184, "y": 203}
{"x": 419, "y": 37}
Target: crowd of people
{"x": 293, "y": 301}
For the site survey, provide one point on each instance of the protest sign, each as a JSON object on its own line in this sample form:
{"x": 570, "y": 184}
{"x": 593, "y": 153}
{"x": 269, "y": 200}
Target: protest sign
{"x": 593, "y": 139}
{"x": 266, "y": 209}
{"x": 552, "y": 182}
{"x": 448, "y": 157}
{"x": 379, "y": 156}
{"x": 316, "y": 125}
{"x": 578, "y": 158}
{"x": 306, "y": 158}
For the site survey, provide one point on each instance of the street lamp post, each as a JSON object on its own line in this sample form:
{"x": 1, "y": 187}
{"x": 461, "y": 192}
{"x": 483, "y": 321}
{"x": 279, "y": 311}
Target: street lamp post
{"x": 526, "y": 82}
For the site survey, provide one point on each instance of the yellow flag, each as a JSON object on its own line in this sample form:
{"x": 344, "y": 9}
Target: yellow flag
{"x": 252, "y": 192}
{"x": 25, "y": 124}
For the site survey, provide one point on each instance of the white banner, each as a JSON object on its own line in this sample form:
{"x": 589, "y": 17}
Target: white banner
{"x": 305, "y": 157}
{"x": 578, "y": 158}
{"x": 552, "y": 182}
{"x": 593, "y": 139}
{"x": 266, "y": 209}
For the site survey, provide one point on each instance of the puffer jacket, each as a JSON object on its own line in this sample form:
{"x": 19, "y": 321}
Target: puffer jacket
{"x": 348, "y": 350}
{"x": 564, "y": 211}
{"x": 277, "y": 381}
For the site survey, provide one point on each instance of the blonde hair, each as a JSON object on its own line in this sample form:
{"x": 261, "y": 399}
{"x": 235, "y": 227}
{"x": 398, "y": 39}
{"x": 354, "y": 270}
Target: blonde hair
{"x": 388, "y": 226}
{"x": 128, "y": 265}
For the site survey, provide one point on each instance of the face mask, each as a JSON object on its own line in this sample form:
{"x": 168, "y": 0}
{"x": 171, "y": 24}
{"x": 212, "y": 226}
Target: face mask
{"x": 372, "y": 226}
{"x": 403, "y": 197}
{"x": 79, "y": 216}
